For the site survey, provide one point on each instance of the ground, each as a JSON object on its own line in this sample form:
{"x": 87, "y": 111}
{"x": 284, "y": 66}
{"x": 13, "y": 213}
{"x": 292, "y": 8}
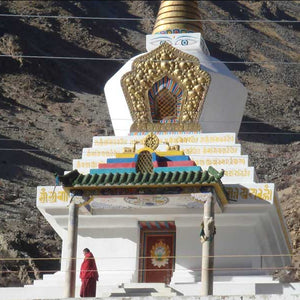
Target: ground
{"x": 51, "y": 108}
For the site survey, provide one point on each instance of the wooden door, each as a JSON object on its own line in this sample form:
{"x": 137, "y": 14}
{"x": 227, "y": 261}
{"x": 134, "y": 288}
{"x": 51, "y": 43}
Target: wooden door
{"x": 157, "y": 254}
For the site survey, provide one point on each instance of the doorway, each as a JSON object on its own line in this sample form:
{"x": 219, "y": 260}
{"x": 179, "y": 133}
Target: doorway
{"x": 157, "y": 251}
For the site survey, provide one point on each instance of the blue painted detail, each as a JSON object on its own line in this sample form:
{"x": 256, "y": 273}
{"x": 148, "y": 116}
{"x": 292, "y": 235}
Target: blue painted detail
{"x": 173, "y": 158}
{"x": 121, "y": 160}
{"x": 113, "y": 171}
{"x": 154, "y": 157}
{"x": 179, "y": 169}
{"x": 148, "y": 225}
{"x": 167, "y": 224}
{"x": 157, "y": 224}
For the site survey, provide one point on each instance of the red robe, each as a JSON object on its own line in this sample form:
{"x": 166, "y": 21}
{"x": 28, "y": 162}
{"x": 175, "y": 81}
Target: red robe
{"x": 89, "y": 276}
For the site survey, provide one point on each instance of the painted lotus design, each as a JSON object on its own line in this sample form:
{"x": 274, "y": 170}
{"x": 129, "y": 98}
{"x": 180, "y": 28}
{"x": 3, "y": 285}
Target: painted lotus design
{"x": 160, "y": 253}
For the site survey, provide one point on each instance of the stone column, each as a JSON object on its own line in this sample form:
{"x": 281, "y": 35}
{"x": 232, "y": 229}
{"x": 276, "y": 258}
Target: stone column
{"x": 70, "y": 281}
{"x": 208, "y": 247}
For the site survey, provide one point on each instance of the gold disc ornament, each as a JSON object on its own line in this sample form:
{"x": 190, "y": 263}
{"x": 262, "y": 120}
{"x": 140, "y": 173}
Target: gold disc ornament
{"x": 151, "y": 141}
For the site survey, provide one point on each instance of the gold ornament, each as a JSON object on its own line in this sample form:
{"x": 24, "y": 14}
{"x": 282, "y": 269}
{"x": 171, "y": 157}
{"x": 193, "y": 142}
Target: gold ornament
{"x": 193, "y": 82}
{"x": 151, "y": 141}
{"x": 179, "y": 15}
{"x": 160, "y": 254}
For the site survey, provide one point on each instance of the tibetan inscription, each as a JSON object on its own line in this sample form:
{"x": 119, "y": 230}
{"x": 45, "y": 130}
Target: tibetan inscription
{"x": 258, "y": 191}
{"x": 50, "y": 195}
{"x": 167, "y": 138}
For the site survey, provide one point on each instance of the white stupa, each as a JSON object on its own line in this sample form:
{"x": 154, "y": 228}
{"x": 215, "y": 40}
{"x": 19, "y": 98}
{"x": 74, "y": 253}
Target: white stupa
{"x": 176, "y": 112}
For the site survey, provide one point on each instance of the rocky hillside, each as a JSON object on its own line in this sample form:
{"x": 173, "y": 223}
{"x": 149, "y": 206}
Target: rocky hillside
{"x": 51, "y": 108}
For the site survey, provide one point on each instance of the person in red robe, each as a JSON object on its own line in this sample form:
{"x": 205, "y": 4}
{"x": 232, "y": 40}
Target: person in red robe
{"x": 88, "y": 275}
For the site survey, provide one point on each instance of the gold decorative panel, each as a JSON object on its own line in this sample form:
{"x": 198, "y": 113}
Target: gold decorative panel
{"x": 166, "y": 104}
{"x": 151, "y": 141}
{"x": 180, "y": 68}
{"x": 144, "y": 163}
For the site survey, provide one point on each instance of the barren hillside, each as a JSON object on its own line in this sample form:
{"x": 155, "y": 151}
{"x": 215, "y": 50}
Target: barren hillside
{"x": 51, "y": 108}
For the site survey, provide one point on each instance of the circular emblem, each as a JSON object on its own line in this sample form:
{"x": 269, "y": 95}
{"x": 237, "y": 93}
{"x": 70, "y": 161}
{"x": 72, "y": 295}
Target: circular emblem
{"x": 151, "y": 141}
{"x": 160, "y": 253}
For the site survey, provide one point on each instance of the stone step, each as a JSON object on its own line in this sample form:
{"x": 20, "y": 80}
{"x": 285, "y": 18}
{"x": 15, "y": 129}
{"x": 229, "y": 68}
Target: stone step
{"x": 247, "y": 287}
{"x": 155, "y": 285}
{"x": 143, "y": 292}
{"x": 169, "y": 294}
{"x": 247, "y": 279}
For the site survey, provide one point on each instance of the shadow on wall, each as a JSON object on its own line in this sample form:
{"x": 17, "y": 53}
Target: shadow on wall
{"x": 254, "y": 130}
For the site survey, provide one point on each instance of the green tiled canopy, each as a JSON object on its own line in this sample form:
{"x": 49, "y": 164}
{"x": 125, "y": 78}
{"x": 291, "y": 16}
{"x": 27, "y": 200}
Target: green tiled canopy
{"x": 75, "y": 179}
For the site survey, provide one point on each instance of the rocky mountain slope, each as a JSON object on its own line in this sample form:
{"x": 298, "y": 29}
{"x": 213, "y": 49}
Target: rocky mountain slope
{"x": 51, "y": 108}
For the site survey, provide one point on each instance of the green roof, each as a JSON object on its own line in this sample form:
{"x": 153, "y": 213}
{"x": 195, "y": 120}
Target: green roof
{"x": 75, "y": 179}
{"x": 145, "y": 181}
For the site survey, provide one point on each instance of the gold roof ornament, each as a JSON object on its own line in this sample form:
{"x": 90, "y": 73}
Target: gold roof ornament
{"x": 165, "y": 91}
{"x": 178, "y": 17}
{"x": 151, "y": 141}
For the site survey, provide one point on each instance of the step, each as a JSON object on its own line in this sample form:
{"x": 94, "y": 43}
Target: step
{"x": 166, "y": 294}
{"x": 155, "y": 285}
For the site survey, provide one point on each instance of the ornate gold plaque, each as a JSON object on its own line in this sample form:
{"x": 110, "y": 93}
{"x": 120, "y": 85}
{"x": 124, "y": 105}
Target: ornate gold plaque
{"x": 163, "y": 77}
{"x": 151, "y": 141}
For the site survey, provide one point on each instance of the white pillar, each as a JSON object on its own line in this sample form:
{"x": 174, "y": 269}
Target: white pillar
{"x": 208, "y": 248}
{"x": 70, "y": 281}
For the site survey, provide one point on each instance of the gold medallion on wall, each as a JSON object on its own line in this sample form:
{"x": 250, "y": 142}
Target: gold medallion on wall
{"x": 160, "y": 254}
{"x": 160, "y": 72}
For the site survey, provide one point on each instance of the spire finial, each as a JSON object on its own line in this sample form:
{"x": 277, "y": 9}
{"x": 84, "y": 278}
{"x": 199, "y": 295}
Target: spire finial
{"x": 177, "y": 16}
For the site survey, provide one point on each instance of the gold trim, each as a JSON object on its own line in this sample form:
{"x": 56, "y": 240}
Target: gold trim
{"x": 171, "y": 14}
{"x": 145, "y": 149}
{"x": 170, "y": 4}
{"x": 177, "y": 65}
{"x": 189, "y": 15}
{"x": 179, "y": 9}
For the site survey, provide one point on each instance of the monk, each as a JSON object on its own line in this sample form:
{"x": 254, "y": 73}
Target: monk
{"x": 88, "y": 275}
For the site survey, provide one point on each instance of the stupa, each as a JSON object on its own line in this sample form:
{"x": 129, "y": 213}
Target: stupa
{"x": 176, "y": 112}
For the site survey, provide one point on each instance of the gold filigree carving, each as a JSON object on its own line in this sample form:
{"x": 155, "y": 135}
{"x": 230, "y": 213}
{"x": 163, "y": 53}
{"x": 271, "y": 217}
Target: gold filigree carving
{"x": 151, "y": 141}
{"x": 182, "y": 68}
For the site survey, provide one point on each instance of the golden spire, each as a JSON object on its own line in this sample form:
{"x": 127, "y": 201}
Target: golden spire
{"x": 174, "y": 16}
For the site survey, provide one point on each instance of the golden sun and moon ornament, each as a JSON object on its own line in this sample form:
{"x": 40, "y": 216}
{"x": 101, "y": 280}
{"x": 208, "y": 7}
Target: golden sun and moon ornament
{"x": 177, "y": 67}
{"x": 160, "y": 254}
{"x": 151, "y": 141}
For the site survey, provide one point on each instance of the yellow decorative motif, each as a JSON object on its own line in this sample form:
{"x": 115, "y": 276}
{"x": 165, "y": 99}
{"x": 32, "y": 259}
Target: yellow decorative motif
{"x": 160, "y": 253}
{"x": 181, "y": 68}
{"x": 52, "y": 196}
{"x": 172, "y": 148}
{"x": 129, "y": 149}
{"x": 151, "y": 141}
{"x": 253, "y": 193}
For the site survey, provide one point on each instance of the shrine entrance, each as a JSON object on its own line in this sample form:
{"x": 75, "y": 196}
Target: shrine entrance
{"x": 157, "y": 251}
